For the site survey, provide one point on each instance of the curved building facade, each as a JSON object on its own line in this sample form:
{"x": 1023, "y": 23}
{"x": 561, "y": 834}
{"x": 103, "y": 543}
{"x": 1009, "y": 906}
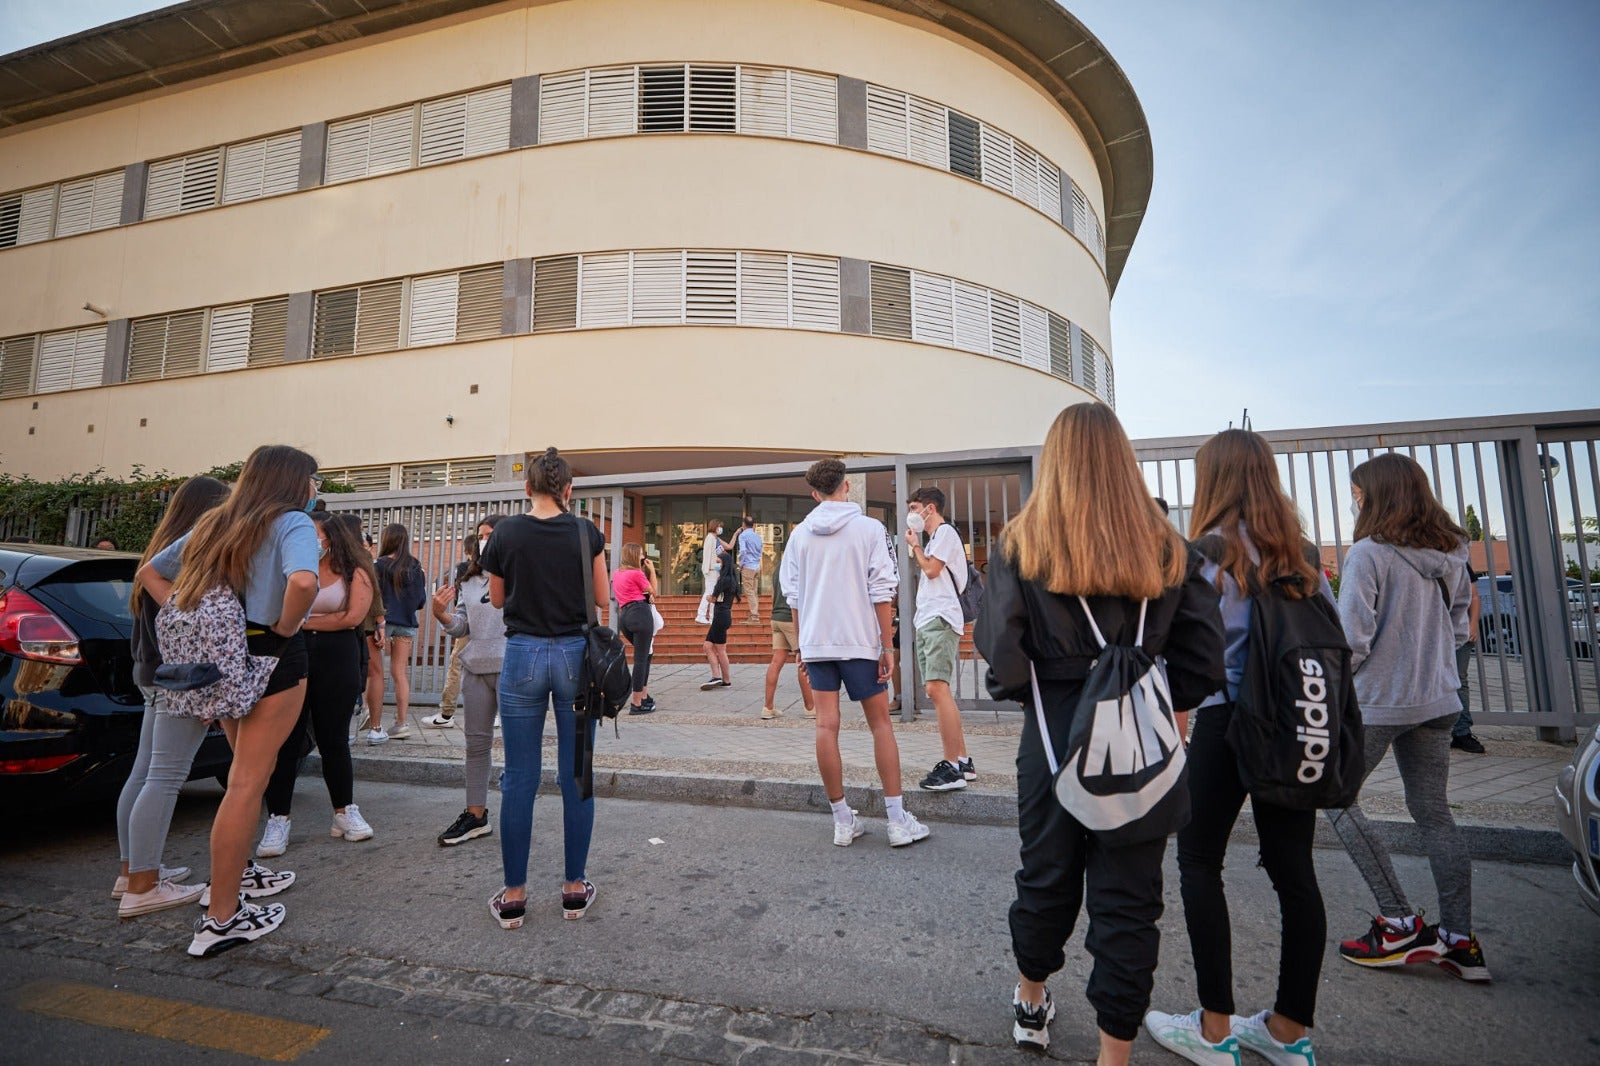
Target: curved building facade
{"x": 670, "y": 234}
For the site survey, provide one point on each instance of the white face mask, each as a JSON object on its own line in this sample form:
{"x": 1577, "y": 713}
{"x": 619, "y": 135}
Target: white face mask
{"x": 1355, "y": 509}
{"x": 914, "y": 521}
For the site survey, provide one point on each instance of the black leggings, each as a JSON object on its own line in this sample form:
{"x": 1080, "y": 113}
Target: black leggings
{"x": 333, "y": 681}
{"x": 638, "y": 628}
{"x": 1217, "y": 796}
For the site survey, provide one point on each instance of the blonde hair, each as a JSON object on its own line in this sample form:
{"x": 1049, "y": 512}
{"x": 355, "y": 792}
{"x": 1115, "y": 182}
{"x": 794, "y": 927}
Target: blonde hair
{"x": 1236, "y": 482}
{"x": 1091, "y": 527}
{"x": 632, "y": 554}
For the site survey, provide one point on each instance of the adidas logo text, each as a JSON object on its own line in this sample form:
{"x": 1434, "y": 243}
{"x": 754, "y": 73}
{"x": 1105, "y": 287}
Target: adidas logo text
{"x": 1312, "y": 733}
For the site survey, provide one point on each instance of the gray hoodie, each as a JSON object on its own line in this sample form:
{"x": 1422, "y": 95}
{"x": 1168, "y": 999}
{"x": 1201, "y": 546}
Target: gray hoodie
{"x": 1402, "y": 633}
{"x": 476, "y": 617}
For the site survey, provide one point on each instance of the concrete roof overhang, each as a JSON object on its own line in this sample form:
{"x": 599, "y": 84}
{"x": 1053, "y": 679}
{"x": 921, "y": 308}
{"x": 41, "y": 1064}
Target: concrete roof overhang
{"x": 201, "y": 38}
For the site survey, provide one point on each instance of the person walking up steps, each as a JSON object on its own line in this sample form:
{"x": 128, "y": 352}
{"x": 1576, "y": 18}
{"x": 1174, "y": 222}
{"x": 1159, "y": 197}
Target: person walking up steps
{"x": 1253, "y": 539}
{"x": 167, "y": 743}
{"x": 635, "y": 587}
{"x": 1088, "y": 555}
{"x": 941, "y": 578}
{"x": 716, "y": 642}
{"x": 710, "y": 568}
{"x": 750, "y": 548}
{"x": 785, "y": 647}
{"x": 259, "y": 544}
{"x": 533, "y": 563}
{"x": 840, "y": 577}
{"x": 452, "y": 676}
{"x": 1403, "y": 599}
{"x": 405, "y": 592}
{"x": 468, "y": 614}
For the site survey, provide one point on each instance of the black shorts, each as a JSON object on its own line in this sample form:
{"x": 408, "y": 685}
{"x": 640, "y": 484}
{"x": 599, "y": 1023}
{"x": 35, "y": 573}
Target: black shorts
{"x": 291, "y": 653}
{"x": 721, "y": 619}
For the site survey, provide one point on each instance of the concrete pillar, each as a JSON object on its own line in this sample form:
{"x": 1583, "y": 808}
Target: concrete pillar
{"x": 119, "y": 332}
{"x": 134, "y": 176}
{"x": 297, "y": 332}
{"x": 852, "y": 113}
{"x": 525, "y": 111}
{"x": 855, "y": 296}
{"x": 313, "y": 154}
{"x": 516, "y": 307}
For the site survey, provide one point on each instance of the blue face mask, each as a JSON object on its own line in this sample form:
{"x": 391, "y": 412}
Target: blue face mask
{"x": 311, "y": 505}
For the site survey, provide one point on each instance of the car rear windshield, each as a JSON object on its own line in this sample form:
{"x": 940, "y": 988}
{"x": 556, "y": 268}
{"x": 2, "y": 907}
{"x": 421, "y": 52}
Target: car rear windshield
{"x": 94, "y": 590}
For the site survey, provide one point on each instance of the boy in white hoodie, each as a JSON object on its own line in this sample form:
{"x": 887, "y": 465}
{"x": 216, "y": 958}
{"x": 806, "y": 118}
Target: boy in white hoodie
{"x": 840, "y": 579}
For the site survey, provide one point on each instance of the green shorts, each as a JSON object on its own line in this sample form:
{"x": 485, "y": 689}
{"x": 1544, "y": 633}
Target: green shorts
{"x": 938, "y": 647}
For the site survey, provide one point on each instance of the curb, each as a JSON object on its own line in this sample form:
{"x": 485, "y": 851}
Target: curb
{"x": 1485, "y": 841}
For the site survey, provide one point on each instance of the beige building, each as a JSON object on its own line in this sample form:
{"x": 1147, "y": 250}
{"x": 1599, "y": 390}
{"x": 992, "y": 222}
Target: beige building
{"x": 424, "y": 237}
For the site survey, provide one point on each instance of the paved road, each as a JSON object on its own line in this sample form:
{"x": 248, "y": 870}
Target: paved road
{"x": 744, "y": 936}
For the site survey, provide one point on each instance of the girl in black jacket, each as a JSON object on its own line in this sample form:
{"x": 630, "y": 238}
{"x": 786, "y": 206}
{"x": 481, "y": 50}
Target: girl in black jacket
{"x": 1089, "y": 529}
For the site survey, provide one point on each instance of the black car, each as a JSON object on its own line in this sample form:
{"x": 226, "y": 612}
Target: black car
{"x": 69, "y": 710}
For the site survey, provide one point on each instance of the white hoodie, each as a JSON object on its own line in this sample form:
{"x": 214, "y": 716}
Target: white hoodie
{"x": 836, "y": 566}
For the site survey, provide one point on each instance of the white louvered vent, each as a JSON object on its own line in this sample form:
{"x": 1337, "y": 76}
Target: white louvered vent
{"x": 1049, "y": 189}
{"x": 814, "y": 292}
{"x": 166, "y": 346}
{"x": 467, "y": 124}
{"x": 17, "y": 356}
{"x": 763, "y": 289}
{"x": 478, "y": 471}
{"x": 1025, "y": 183}
{"x": 424, "y": 475}
{"x": 663, "y": 95}
{"x": 25, "y": 216}
{"x": 1108, "y": 380}
{"x": 603, "y": 290}
{"x": 562, "y": 106}
{"x": 711, "y": 288}
{"x": 764, "y": 101}
{"x": 555, "y": 293}
{"x": 998, "y": 161}
{"x": 1036, "y": 337}
{"x": 89, "y": 204}
{"x": 886, "y": 121}
{"x": 929, "y": 132}
{"x": 433, "y": 309}
{"x": 1005, "y": 326}
{"x": 658, "y": 279}
{"x": 372, "y": 144}
{"x": 972, "y": 318}
{"x": 1088, "y": 363}
{"x": 188, "y": 183}
{"x": 613, "y": 103}
{"x": 932, "y": 309}
{"x": 269, "y": 326}
{"x": 228, "y": 342}
{"x": 813, "y": 107}
{"x": 1080, "y": 214}
{"x": 479, "y": 303}
{"x": 265, "y": 167}
{"x": 364, "y": 478}
{"x": 357, "y": 320}
{"x": 713, "y": 98}
{"x": 74, "y": 359}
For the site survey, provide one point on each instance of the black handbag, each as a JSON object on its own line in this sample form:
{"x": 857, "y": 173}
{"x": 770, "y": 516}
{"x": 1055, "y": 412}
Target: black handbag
{"x": 604, "y": 684}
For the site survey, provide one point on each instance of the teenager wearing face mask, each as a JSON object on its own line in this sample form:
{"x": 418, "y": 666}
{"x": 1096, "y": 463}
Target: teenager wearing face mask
{"x": 711, "y": 568}
{"x": 941, "y": 578}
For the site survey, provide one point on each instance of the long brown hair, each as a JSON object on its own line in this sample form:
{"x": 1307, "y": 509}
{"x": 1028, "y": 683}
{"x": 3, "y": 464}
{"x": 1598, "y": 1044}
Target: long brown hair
{"x": 346, "y": 556}
{"x": 632, "y": 556}
{"x": 275, "y": 479}
{"x": 397, "y": 542}
{"x": 1090, "y": 527}
{"x": 1236, "y": 482}
{"x": 191, "y": 500}
{"x": 1398, "y": 506}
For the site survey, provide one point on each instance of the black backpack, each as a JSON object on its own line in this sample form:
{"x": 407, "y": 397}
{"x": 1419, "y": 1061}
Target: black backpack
{"x": 970, "y": 596}
{"x": 604, "y": 684}
{"x": 1296, "y": 727}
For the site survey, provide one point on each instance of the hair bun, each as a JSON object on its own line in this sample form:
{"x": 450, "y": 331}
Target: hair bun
{"x": 551, "y": 453}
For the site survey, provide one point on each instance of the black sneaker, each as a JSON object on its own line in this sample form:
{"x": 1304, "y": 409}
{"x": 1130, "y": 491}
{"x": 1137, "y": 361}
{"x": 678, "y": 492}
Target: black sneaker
{"x": 1031, "y": 1027}
{"x": 649, "y": 703}
{"x": 1465, "y": 960}
{"x": 1468, "y": 742}
{"x": 715, "y": 682}
{"x": 966, "y": 768}
{"x": 250, "y": 922}
{"x": 943, "y": 777}
{"x": 467, "y": 826}
{"x": 1389, "y": 944}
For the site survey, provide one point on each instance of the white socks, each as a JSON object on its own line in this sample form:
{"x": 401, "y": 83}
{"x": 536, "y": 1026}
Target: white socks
{"x": 895, "y": 808}
{"x": 1452, "y": 940}
{"x": 841, "y": 811}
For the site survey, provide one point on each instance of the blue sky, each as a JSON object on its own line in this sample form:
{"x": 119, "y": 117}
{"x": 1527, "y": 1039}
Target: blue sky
{"x": 1363, "y": 211}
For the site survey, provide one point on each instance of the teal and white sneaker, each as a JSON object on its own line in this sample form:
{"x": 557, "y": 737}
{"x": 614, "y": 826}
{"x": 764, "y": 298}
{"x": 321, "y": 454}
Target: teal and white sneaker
{"x": 1180, "y": 1034}
{"x": 1254, "y": 1035}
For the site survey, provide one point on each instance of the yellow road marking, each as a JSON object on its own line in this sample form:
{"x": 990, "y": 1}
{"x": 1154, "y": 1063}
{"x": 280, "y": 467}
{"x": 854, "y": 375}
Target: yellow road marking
{"x": 256, "y": 1035}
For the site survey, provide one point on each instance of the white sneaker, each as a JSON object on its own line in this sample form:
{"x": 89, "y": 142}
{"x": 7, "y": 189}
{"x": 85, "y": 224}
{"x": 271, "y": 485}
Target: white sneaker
{"x": 845, "y": 832}
{"x": 250, "y": 922}
{"x": 257, "y": 882}
{"x": 275, "y": 838}
{"x": 350, "y": 825}
{"x": 1252, "y": 1033}
{"x": 164, "y": 895}
{"x": 377, "y": 736}
{"x": 400, "y": 732}
{"x": 366, "y": 723}
{"x": 1180, "y": 1034}
{"x": 906, "y": 831}
{"x": 175, "y": 874}
{"x": 1030, "y": 1029}
{"x": 769, "y": 713}
{"x": 440, "y": 721}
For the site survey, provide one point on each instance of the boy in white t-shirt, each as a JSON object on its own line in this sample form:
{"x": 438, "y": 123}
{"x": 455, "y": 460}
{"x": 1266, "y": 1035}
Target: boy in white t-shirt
{"x": 941, "y": 579}
{"x": 710, "y": 568}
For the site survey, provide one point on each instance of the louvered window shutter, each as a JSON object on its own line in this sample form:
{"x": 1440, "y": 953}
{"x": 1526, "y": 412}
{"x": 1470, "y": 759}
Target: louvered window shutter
{"x": 265, "y": 167}
{"x": 163, "y": 191}
{"x": 433, "y": 309}
{"x": 764, "y": 101}
{"x": 228, "y": 345}
{"x": 393, "y": 134}
{"x": 1099, "y": 240}
{"x": 479, "y": 303}
{"x": 661, "y": 99}
{"x": 89, "y": 204}
{"x": 613, "y": 105}
{"x": 1080, "y": 214}
{"x": 562, "y": 102}
{"x": 146, "y": 348}
{"x": 56, "y": 352}
{"x": 472, "y": 471}
{"x": 378, "y": 317}
{"x": 489, "y": 120}
{"x": 1005, "y": 326}
{"x": 932, "y": 309}
{"x": 188, "y": 183}
{"x": 348, "y": 144}
{"x": 368, "y": 478}
{"x": 10, "y": 219}
{"x": 930, "y": 133}
{"x": 886, "y": 121}
{"x": 972, "y": 318}
{"x": 1107, "y": 380}
{"x": 443, "y": 130}
{"x": 814, "y": 292}
{"x": 269, "y": 325}
{"x": 17, "y": 356}
{"x": 657, "y": 288}
{"x": 1049, "y": 189}
{"x": 1088, "y": 362}
{"x": 813, "y": 107}
{"x": 964, "y": 145}
{"x": 891, "y": 302}
{"x": 423, "y": 475}
{"x": 603, "y": 290}
{"x": 711, "y": 288}
{"x": 555, "y": 294}
{"x": 997, "y": 164}
{"x": 713, "y": 99}
{"x": 763, "y": 289}
{"x": 1025, "y": 186}
{"x": 1060, "y": 348}
{"x": 334, "y": 322}
{"x": 166, "y": 346}
{"x": 1036, "y": 337}
{"x": 25, "y": 217}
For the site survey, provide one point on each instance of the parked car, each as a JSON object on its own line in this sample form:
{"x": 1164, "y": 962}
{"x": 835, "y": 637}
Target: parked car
{"x": 69, "y": 710}
{"x": 1578, "y": 816}
{"x": 1499, "y": 628}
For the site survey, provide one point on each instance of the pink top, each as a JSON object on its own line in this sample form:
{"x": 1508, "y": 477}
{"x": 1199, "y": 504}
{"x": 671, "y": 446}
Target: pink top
{"x": 629, "y": 586}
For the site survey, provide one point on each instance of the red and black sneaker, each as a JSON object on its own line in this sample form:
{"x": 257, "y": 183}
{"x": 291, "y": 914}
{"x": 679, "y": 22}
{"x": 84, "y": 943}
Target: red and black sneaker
{"x": 1393, "y": 944}
{"x": 1465, "y": 960}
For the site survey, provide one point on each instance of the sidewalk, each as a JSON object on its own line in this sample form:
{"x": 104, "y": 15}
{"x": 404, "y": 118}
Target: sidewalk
{"x": 713, "y": 747}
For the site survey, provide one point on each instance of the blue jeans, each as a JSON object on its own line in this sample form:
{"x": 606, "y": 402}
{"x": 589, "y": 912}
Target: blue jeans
{"x": 535, "y": 670}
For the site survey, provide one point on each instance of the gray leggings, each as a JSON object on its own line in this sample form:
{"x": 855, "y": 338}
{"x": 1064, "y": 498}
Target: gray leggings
{"x": 1422, "y": 753}
{"x": 480, "y": 699}
{"x": 167, "y": 746}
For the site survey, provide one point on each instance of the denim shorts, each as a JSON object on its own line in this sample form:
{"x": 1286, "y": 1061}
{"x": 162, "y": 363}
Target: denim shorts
{"x": 403, "y": 632}
{"x": 859, "y": 677}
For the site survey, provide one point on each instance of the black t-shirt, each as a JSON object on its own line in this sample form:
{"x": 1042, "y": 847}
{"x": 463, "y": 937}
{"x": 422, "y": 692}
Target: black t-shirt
{"x": 539, "y": 562}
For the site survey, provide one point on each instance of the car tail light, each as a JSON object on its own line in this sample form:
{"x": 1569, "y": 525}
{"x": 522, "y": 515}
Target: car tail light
{"x": 35, "y": 766}
{"x": 29, "y": 630}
